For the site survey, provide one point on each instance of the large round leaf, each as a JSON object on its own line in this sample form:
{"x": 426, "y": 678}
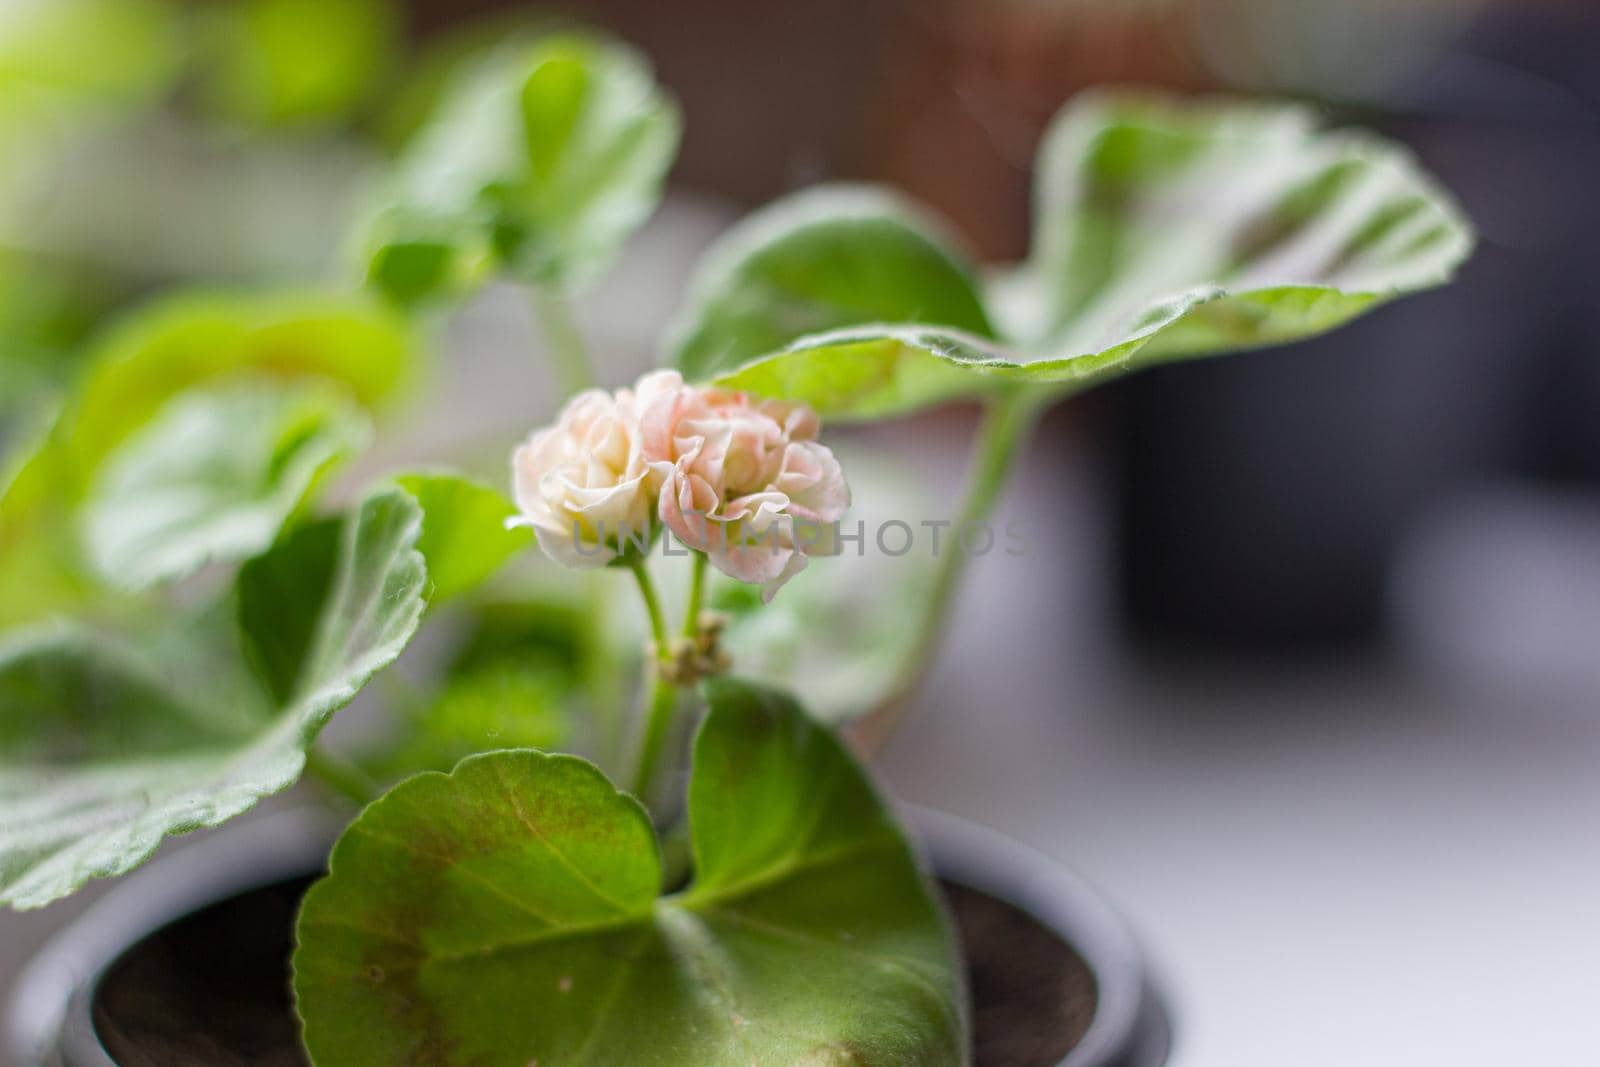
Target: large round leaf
{"x": 1163, "y": 230}
{"x": 507, "y": 914}
{"x": 107, "y": 746}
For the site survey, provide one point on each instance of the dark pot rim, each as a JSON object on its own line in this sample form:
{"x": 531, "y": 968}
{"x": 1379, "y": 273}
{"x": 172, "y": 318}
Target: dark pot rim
{"x": 50, "y": 1020}
{"x": 1131, "y": 1026}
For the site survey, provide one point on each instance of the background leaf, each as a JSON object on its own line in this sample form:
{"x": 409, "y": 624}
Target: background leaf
{"x": 1164, "y": 230}
{"x": 541, "y": 160}
{"x": 108, "y": 746}
{"x": 507, "y": 914}
{"x": 214, "y": 477}
{"x": 142, "y": 363}
{"x": 827, "y": 258}
{"x": 464, "y": 535}
{"x": 504, "y": 705}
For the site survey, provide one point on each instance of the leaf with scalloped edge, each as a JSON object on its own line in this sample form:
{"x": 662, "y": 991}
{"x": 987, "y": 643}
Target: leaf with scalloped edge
{"x": 107, "y": 746}
{"x": 1164, "y": 230}
{"x": 820, "y": 260}
{"x": 508, "y": 913}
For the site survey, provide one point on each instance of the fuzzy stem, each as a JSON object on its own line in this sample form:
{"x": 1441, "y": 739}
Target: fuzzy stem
{"x": 658, "y": 718}
{"x": 1007, "y": 423}
{"x": 697, "y": 596}
{"x": 342, "y": 776}
{"x": 652, "y": 606}
{"x": 663, "y": 696}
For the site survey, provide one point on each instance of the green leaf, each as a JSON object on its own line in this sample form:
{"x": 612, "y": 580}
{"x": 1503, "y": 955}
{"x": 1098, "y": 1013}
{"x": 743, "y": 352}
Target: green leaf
{"x": 542, "y": 159}
{"x": 508, "y": 914}
{"x": 146, "y": 360}
{"x": 547, "y": 624}
{"x": 214, "y": 477}
{"x": 504, "y": 705}
{"x": 1272, "y": 228}
{"x": 190, "y": 340}
{"x": 821, "y": 260}
{"x": 319, "y": 615}
{"x": 873, "y": 372}
{"x": 1164, "y": 230}
{"x": 107, "y": 746}
{"x": 297, "y": 62}
{"x": 464, "y": 534}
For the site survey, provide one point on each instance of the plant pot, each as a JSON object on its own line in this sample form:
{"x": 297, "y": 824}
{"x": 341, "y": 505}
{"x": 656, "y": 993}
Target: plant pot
{"x": 184, "y": 961}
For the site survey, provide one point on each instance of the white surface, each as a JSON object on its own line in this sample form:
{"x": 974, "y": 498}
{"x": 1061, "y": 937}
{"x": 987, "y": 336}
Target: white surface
{"x": 1329, "y": 868}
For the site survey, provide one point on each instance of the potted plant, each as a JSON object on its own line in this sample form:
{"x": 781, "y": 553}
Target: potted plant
{"x": 527, "y": 875}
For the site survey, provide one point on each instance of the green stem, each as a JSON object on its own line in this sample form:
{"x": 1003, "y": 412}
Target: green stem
{"x": 601, "y": 678}
{"x": 652, "y": 605}
{"x": 567, "y": 350}
{"x": 663, "y": 696}
{"x": 1008, "y": 419}
{"x": 697, "y": 596}
{"x": 342, "y": 776}
{"x": 658, "y": 718}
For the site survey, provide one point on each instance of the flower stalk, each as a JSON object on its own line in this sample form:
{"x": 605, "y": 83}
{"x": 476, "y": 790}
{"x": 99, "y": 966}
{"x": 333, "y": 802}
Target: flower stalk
{"x": 1008, "y": 421}
{"x": 663, "y": 695}
{"x": 342, "y": 776}
{"x": 697, "y": 594}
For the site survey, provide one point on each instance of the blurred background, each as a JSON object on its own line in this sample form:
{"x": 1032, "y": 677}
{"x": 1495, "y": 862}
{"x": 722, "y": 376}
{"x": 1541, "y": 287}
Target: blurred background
{"x": 1305, "y": 672}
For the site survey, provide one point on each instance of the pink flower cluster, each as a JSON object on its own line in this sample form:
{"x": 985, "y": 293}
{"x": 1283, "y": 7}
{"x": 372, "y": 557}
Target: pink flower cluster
{"x": 743, "y": 480}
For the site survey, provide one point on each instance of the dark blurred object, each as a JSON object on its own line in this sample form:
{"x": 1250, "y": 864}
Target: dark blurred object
{"x": 1349, "y": 51}
{"x": 1498, "y": 591}
{"x": 1262, "y": 499}
{"x": 968, "y": 87}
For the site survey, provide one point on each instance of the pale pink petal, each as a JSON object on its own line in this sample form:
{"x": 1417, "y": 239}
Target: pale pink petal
{"x": 814, "y": 482}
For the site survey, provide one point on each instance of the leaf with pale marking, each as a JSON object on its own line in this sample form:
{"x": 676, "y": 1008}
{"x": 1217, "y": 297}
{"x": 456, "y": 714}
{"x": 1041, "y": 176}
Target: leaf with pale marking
{"x": 1163, "y": 230}
{"x": 108, "y": 746}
